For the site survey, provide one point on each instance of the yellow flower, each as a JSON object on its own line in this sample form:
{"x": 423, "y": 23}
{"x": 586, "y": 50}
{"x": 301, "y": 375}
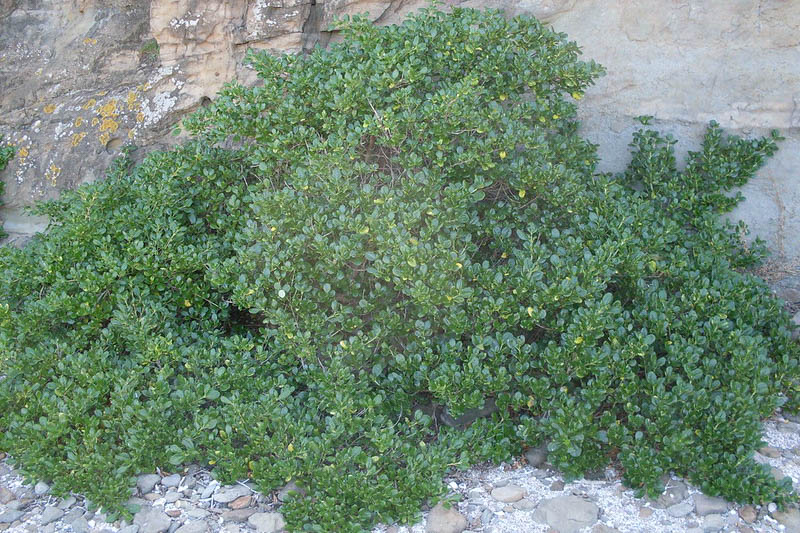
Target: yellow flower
{"x": 522, "y": 193}
{"x": 502, "y": 155}
{"x": 187, "y": 303}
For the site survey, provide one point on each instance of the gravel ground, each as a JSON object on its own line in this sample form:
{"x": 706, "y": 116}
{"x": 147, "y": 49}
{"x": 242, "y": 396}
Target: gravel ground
{"x": 510, "y": 498}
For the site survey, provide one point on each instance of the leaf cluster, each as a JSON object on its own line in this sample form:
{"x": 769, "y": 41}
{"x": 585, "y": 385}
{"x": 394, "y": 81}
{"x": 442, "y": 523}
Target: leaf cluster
{"x": 381, "y": 237}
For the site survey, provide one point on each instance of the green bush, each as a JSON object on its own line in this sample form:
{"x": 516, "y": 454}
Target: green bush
{"x": 6, "y": 153}
{"x": 402, "y": 225}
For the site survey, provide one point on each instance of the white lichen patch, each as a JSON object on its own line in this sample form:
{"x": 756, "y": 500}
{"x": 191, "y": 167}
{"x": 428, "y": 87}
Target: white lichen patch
{"x": 155, "y": 109}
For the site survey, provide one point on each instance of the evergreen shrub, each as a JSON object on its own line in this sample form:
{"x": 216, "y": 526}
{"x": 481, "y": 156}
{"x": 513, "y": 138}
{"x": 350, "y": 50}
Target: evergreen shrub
{"x": 6, "y": 154}
{"x": 379, "y": 238}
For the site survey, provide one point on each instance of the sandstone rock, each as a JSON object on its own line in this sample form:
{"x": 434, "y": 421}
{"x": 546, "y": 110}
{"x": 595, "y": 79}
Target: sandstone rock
{"x": 769, "y": 451}
{"x": 790, "y": 518}
{"x": 6, "y": 495}
{"x": 508, "y": 493}
{"x": 748, "y": 514}
{"x": 443, "y": 520}
{"x": 240, "y": 503}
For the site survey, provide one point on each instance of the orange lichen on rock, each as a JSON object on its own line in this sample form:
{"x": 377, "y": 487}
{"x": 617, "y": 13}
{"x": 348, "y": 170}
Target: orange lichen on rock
{"x": 77, "y": 138}
{"x": 52, "y": 173}
{"x": 49, "y": 108}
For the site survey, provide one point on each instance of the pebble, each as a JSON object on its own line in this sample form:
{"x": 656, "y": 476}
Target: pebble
{"x": 567, "y": 514}
{"x": 151, "y": 520}
{"x": 231, "y": 493}
{"x": 266, "y": 522}
{"x": 706, "y": 505}
{"x": 209, "y": 490}
{"x": 73, "y": 515}
{"x": 51, "y": 514}
{"x": 713, "y": 523}
{"x": 241, "y": 502}
{"x": 41, "y": 488}
{"x": 197, "y": 526}
{"x": 289, "y": 489}
{"x": 645, "y": 512}
{"x": 10, "y": 515}
{"x": 239, "y": 515}
{"x": 769, "y": 451}
{"x": 147, "y": 482}
{"x": 680, "y": 509}
{"x": 790, "y": 518}
{"x": 171, "y": 481}
{"x": 748, "y": 514}
{"x": 536, "y": 456}
{"x": 6, "y": 495}
{"x": 443, "y": 520}
{"x": 524, "y": 505}
{"x": 67, "y": 502}
{"x": 557, "y": 485}
{"x": 508, "y": 494}
{"x": 80, "y": 525}
{"x": 675, "y": 492}
{"x": 133, "y": 528}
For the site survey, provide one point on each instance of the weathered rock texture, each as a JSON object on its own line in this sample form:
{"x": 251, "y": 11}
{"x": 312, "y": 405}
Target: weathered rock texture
{"x": 79, "y": 78}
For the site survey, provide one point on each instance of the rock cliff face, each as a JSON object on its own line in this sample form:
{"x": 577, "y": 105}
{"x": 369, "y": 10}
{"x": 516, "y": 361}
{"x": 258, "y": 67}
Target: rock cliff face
{"x": 81, "y": 78}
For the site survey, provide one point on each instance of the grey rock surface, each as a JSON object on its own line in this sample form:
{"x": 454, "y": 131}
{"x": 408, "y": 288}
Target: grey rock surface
{"x": 51, "y": 514}
{"x": 567, "y": 514}
{"x": 713, "y": 523}
{"x": 147, "y": 482}
{"x": 151, "y": 520}
{"x": 674, "y": 492}
{"x": 228, "y": 494}
{"x": 171, "y": 481}
{"x": 706, "y": 505}
{"x": 8, "y": 516}
{"x": 197, "y": 526}
{"x": 266, "y": 522}
{"x": 789, "y": 518}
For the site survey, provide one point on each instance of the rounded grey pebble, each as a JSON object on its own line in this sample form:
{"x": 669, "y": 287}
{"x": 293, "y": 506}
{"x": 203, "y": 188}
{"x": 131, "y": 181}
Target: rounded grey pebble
{"x": 171, "y": 481}
{"x": 69, "y": 501}
{"x": 41, "y": 488}
{"x": 133, "y": 528}
{"x": 713, "y": 523}
{"x": 51, "y": 514}
{"x": 147, "y": 482}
